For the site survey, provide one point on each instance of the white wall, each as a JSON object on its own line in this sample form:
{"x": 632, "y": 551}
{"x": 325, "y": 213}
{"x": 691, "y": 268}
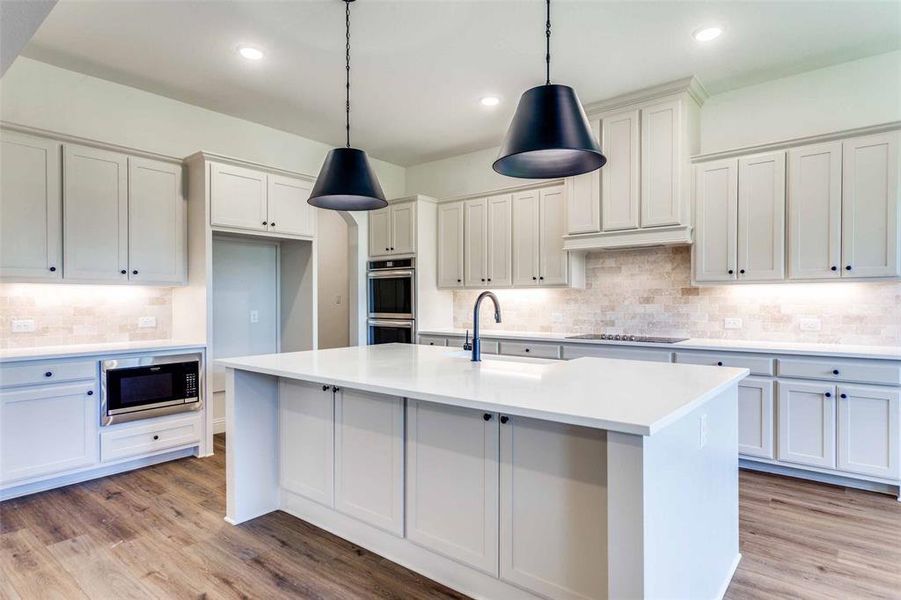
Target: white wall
{"x": 333, "y": 280}
{"x": 852, "y": 94}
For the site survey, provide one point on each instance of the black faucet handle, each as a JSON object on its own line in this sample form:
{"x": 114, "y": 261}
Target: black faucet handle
{"x": 466, "y": 344}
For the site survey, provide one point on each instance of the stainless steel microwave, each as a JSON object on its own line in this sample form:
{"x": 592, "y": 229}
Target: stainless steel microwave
{"x": 140, "y": 387}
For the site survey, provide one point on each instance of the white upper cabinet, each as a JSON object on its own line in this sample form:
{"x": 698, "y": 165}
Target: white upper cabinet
{"x": 499, "y": 259}
{"x": 157, "y": 230}
{"x": 552, "y": 259}
{"x": 475, "y": 241}
{"x": 716, "y": 194}
{"x": 815, "y": 211}
{"x": 31, "y": 205}
{"x": 761, "y": 217}
{"x": 380, "y": 232}
{"x": 450, "y": 245}
{"x": 661, "y": 164}
{"x": 392, "y": 230}
{"x": 870, "y": 206}
{"x": 525, "y": 238}
{"x": 288, "y": 210}
{"x": 620, "y": 177}
{"x": 95, "y": 208}
{"x": 238, "y": 197}
{"x": 583, "y": 198}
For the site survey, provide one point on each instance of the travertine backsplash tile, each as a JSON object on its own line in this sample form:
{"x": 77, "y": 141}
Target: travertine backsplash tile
{"x": 648, "y": 291}
{"x": 82, "y": 314}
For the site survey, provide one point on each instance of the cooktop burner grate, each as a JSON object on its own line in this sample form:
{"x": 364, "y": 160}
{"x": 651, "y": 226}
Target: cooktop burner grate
{"x": 624, "y": 337}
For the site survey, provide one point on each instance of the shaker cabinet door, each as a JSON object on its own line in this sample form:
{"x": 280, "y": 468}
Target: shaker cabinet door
{"x": 238, "y": 198}
{"x": 806, "y": 424}
{"x": 31, "y": 204}
{"x": 868, "y": 430}
{"x": 450, "y": 245}
{"x": 500, "y": 240}
{"x": 870, "y": 206}
{"x": 525, "y": 238}
{"x": 95, "y": 208}
{"x": 755, "y": 417}
{"x": 380, "y": 232}
{"x": 716, "y": 220}
{"x": 307, "y": 439}
{"x": 157, "y": 229}
{"x": 661, "y": 200}
{"x": 620, "y": 177}
{"x": 475, "y": 240}
{"x": 289, "y": 212}
{"x": 403, "y": 228}
{"x": 553, "y": 260}
{"x": 761, "y": 217}
{"x": 452, "y": 482}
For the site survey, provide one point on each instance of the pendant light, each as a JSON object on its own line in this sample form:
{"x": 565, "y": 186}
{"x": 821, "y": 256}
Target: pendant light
{"x": 549, "y": 136}
{"x": 346, "y": 181}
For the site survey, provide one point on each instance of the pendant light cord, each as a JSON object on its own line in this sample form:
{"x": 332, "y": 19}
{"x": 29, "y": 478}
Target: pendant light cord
{"x": 547, "y": 33}
{"x": 347, "y": 68}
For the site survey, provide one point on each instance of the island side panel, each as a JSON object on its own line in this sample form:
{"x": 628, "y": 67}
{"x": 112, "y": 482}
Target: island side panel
{"x": 251, "y": 449}
{"x": 625, "y": 515}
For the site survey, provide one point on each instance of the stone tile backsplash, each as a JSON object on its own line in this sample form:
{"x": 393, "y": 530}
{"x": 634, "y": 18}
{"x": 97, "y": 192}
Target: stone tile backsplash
{"x": 83, "y": 314}
{"x": 648, "y": 291}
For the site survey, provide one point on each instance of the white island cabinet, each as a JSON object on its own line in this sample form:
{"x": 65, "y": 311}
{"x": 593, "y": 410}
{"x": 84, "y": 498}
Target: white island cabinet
{"x": 513, "y": 478}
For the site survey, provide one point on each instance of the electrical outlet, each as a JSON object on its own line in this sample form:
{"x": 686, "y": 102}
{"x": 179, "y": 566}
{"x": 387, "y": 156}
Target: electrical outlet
{"x": 146, "y": 322}
{"x": 23, "y": 325}
{"x": 254, "y": 316}
{"x": 338, "y": 299}
{"x": 702, "y": 431}
{"x": 732, "y": 323}
{"x": 810, "y": 324}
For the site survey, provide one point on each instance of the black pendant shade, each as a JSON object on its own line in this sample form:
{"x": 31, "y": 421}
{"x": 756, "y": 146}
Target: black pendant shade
{"x": 347, "y": 182}
{"x": 549, "y": 137}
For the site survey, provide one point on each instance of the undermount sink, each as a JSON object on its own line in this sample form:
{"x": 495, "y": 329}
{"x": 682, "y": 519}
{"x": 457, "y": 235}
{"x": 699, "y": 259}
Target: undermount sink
{"x": 495, "y": 358}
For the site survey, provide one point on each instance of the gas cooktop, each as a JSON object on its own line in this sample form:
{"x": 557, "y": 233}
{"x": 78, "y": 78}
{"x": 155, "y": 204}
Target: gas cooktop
{"x": 627, "y": 338}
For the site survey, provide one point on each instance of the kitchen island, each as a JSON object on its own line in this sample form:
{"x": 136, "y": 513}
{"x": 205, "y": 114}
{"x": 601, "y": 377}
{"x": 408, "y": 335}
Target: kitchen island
{"x": 509, "y": 478}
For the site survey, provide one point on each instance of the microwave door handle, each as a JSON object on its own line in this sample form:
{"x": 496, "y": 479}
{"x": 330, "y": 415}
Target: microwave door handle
{"x": 401, "y": 324}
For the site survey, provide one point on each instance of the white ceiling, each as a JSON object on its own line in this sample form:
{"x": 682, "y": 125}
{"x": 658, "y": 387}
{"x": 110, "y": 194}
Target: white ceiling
{"x": 420, "y": 66}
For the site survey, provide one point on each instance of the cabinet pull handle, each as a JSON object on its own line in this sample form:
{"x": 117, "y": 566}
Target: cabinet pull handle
{"x": 843, "y": 395}
{"x": 52, "y": 269}
{"x": 828, "y": 394}
{"x": 835, "y": 371}
{"x": 719, "y": 363}
{"x": 487, "y": 416}
{"x": 834, "y": 268}
{"x": 504, "y": 419}
{"x": 90, "y": 392}
{"x": 48, "y": 374}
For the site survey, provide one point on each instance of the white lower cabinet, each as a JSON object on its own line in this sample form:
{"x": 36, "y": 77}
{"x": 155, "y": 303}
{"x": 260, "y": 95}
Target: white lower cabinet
{"x": 307, "y": 440}
{"x": 755, "y": 417}
{"x": 806, "y": 424}
{"x": 868, "y": 430}
{"x": 369, "y": 458}
{"x": 452, "y": 483}
{"x": 556, "y": 553}
{"x": 48, "y": 429}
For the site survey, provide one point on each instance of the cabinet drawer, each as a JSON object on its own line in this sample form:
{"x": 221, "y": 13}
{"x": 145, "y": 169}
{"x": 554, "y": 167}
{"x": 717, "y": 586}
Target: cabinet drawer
{"x": 758, "y": 365}
{"x": 149, "y": 438}
{"x": 879, "y": 372}
{"x": 47, "y": 372}
{"x": 529, "y": 349}
{"x": 648, "y": 354}
{"x": 432, "y": 340}
{"x": 488, "y": 346}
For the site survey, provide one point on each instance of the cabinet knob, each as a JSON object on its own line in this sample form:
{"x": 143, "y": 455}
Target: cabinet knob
{"x": 90, "y": 392}
{"x": 272, "y": 224}
{"x": 48, "y": 374}
{"x": 848, "y": 268}
{"x": 719, "y": 363}
{"x": 156, "y": 437}
{"x": 843, "y": 396}
{"x": 835, "y": 371}
{"x": 392, "y": 247}
{"x": 534, "y": 278}
{"x": 528, "y": 349}
{"x": 483, "y": 280}
{"x": 541, "y": 278}
{"x": 325, "y": 388}
{"x": 336, "y": 389}
{"x": 741, "y": 271}
{"x": 487, "y": 416}
{"x": 489, "y": 280}
{"x": 459, "y": 280}
{"x": 124, "y": 272}
{"x": 834, "y": 268}
{"x": 731, "y": 271}
{"x": 52, "y": 269}
{"x": 504, "y": 418}
{"x": 135, "y": 272}
{"x": 828, "y": 394}
{"x": 386, "y": 249}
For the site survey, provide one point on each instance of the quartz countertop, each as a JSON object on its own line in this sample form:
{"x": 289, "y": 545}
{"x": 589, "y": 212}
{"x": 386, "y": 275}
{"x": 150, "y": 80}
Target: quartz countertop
{"x": 719, "y": 345}
{"x": 74, "y": 350}
{"x": 618, "y": 395}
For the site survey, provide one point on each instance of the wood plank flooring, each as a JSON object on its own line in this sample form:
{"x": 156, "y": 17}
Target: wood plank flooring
{"x": 158, "y": 533}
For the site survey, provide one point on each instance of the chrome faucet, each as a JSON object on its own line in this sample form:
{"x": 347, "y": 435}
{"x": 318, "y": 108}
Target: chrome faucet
{"x": 476, "y": 340}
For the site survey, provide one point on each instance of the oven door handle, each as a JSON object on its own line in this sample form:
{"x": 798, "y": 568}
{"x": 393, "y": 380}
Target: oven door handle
{"x": 401, "y": 324}
{"x": 390, "y": 274}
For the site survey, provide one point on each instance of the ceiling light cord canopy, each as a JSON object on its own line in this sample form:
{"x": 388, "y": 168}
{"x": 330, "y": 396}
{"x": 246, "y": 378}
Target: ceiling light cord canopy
{"x": 346, "y": 180}
{"x": 549, "y": 136}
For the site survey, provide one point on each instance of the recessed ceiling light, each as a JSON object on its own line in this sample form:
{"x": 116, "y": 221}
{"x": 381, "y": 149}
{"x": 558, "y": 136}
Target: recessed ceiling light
{"x": 490, "y": 101}
{"x": 706, "y": 34}
{"x": 250, "y": 53}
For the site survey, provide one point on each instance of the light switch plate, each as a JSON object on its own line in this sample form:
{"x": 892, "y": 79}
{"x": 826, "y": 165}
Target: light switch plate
{"x": 732, "y": 323}
{"x": 146, "y": 322}
{"x": 23, "y": 325}
{"x": 254, "y": 316}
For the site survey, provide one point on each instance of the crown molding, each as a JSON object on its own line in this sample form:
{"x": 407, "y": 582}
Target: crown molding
{"x": 688, "y": 85}
{"x": 203, "y": 155}
{"x": 510, "y": 189}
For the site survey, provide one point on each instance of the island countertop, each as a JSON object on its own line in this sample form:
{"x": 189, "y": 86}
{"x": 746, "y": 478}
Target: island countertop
{"x": 618, "y": 395}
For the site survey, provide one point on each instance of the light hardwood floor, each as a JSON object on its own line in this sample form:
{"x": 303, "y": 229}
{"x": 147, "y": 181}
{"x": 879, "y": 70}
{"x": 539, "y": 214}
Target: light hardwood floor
{"x": 159, "y": 533}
